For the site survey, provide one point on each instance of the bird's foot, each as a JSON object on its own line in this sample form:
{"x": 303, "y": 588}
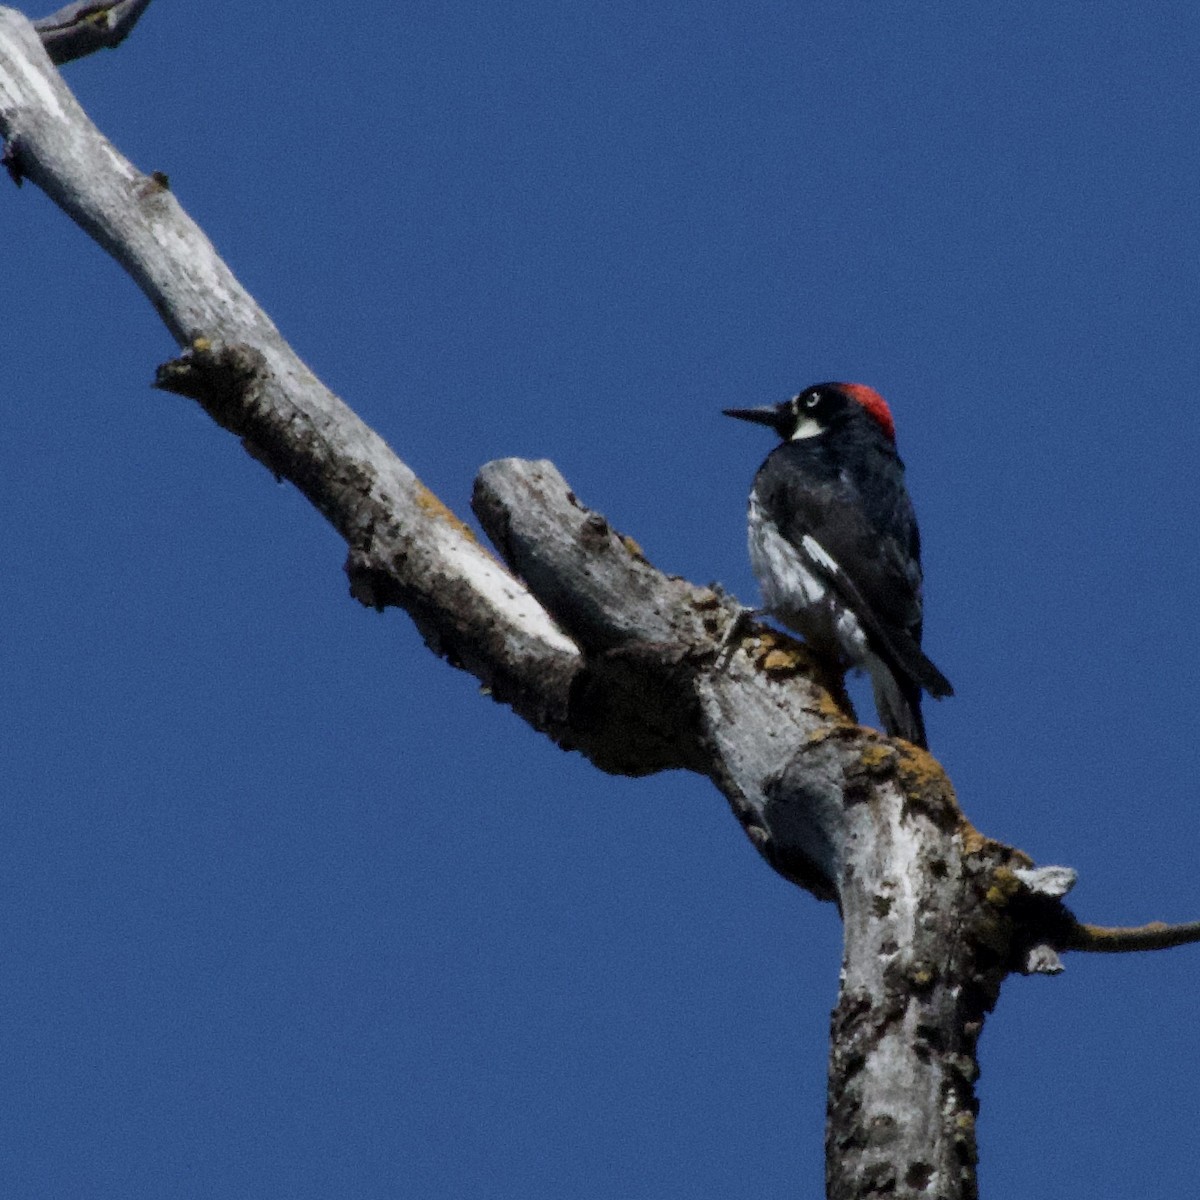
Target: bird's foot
{"x": 733, "y": 631}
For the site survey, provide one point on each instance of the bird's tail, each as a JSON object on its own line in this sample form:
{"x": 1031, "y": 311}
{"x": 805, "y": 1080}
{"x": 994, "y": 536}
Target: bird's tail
{"x": 898, "y": 701}
{"x": 912, "y": 661}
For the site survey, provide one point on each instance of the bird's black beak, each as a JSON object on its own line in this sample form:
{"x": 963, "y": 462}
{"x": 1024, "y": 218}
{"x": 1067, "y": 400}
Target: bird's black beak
{"x": 767, "y": 415}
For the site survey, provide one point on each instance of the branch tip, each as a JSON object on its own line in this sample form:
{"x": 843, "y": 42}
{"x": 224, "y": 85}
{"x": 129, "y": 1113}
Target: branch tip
{"x": 1047, "y": 881}
{"x": 10, "y": 160}
{"x": 1042, "y": 960}
{"x": 83, "y": 28}
{"x": 1157, "y": 935}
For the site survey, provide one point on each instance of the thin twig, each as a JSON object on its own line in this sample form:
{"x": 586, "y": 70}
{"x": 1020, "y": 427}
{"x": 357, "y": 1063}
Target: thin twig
{"x": 1157, "y": 935}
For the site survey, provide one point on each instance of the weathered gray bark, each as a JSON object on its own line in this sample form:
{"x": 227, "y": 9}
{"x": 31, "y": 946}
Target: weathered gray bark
{"x": 596, "y": 648}
{"x": 87, "y": 26}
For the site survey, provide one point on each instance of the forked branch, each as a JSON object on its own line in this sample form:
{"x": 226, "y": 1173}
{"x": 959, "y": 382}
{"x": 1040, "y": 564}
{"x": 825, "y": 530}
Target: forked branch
{"x": 592, "y": 645}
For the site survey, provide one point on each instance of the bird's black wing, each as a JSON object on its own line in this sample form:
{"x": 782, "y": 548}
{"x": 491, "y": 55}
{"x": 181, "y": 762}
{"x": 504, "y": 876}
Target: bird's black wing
{"x": 871, "y": 559}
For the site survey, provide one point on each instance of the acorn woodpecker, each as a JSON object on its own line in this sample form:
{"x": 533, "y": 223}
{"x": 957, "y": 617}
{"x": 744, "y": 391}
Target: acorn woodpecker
{"x": 834, "y": 543}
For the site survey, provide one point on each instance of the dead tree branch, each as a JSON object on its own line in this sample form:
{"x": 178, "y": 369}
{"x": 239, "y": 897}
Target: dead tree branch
{"x": 1156, "y": 935}
{"x": 81, "y": 29}
{"x": 593, "y": 646}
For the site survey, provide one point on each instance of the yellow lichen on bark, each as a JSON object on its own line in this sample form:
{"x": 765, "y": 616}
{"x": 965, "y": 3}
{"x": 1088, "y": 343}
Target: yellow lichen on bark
{"x": 1004, "y": 886}
{"x": 633, "y": 548}
{"x": 429, "y": 504}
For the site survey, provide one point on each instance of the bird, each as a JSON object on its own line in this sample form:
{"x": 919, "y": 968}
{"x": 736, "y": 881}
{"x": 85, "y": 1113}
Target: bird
{"x": 835, "y": 547}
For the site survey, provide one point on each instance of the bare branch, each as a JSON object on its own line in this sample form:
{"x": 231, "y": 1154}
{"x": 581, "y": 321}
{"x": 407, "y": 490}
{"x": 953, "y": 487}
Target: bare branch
{"x": 1034, "y": 895}
{"x": 594, "y": 646}
{"x": 653, "y": 694}
{"x": 83, "y": 28}
{"x": 1157, "y": 935}
{"x": 405, "y": 545}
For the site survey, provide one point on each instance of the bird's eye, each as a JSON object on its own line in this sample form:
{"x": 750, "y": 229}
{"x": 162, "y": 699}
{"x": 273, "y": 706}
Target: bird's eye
{"x": 813, "y": 400}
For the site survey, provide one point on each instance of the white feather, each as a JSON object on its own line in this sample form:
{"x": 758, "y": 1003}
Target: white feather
{"x": 818, "y": 554}
{"x": 798, "y": 595}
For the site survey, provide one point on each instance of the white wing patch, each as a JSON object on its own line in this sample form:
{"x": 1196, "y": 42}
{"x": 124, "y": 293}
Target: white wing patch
{"x": 818, "y": 554}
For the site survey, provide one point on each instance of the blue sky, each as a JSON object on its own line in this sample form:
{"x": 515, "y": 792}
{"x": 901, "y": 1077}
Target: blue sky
{"x": 290, "y": 909}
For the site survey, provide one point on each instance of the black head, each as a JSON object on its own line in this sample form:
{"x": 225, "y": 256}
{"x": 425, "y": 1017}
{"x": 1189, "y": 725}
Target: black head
{"x": 818, "y": 408}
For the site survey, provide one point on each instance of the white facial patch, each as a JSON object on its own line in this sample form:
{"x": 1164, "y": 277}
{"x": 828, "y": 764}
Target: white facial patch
{"x": 806, "y": 427}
